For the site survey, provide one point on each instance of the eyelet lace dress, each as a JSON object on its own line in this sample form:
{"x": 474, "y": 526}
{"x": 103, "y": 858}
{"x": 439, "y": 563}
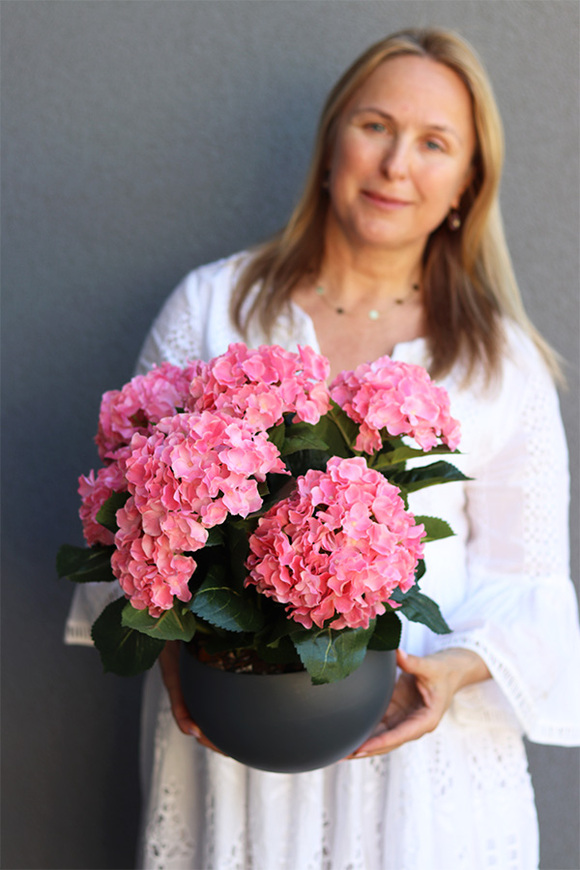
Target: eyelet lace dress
{"x": 459, "y": 798}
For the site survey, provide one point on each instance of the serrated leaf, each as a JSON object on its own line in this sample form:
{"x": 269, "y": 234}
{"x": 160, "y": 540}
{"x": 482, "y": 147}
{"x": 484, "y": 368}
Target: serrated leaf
{"x": 435, "y": 528}
{"x": 418, "y": 607}
{"x": 175, "y": 624}
{"x": 387, "y": 633}
{"x": 221, "y": 605}
{"x": 85, "y": 564}
{"x": 123, "y": 650}
{"x": 414, "y": 479}
{"x": 107, "y": 515}
{"x": 330, "y": 655}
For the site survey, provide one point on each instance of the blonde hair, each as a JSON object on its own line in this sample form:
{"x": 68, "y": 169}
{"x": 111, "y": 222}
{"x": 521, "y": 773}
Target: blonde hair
{"x": 468, "y": 279}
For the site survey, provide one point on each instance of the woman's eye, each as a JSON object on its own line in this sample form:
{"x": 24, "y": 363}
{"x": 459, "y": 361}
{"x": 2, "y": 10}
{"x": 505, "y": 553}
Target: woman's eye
{"x": 376, "y": 126}
{"x": 433, "y": 145}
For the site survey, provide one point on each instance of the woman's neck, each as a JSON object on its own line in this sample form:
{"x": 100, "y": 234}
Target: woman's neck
{"x": 367, "y": 276}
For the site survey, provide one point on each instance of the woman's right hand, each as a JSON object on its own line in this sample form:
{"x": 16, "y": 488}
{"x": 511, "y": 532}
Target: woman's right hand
{"x": 169, "y": 663}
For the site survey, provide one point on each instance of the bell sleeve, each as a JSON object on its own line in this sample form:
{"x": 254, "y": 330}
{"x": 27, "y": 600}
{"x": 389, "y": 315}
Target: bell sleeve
{"x": 520, "y": 612}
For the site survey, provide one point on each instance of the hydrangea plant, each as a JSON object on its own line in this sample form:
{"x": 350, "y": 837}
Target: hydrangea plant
{"x": 247, "y": 505}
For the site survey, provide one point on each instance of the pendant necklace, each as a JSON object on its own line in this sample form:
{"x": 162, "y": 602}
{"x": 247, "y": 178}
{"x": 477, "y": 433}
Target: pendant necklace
{"x": 372, "y": 313}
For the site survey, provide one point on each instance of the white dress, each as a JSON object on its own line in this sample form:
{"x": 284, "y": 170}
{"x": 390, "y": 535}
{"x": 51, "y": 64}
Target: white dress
{"x": 461, "y": 797}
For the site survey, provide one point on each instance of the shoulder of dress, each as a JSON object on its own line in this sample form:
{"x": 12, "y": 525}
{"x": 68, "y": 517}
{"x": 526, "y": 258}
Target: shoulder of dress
{"x": 219, "y": 274}
{"x": 521, "y": 354}
{"x": 523, "y": 392}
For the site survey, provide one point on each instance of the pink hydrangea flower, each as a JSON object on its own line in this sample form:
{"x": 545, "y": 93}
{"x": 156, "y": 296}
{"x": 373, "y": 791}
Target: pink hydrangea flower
{"x": 149, "y": 570}
{"x": 398, "y": 397}
{"x": 189, "y": 475}
{"x": 263, "y": 384}
{"x": 337, "y": 548}
{"x": 94, "y": 492}
{"x": 141, "y": 403}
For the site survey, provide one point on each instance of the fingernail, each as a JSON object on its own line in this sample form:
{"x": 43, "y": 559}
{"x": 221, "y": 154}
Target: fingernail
{"x": 195, "y": 732}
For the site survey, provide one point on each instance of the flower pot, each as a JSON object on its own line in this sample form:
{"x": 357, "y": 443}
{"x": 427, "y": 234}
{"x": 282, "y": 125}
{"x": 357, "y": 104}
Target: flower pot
{"x": 282, "y": 722}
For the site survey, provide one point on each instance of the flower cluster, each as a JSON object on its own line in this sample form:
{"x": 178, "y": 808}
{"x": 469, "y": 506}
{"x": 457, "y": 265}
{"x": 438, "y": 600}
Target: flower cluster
{"x": 141, "y": 403}
{"x": 261, "y": 386}
{"x": 398, "y": 397}
{"x": 189, "y": 456}
{"x": 190, "y": 446}
{"x": 94, "y": 492}
{"x": 337, "y": 548}
{"x": 184, "y": 479}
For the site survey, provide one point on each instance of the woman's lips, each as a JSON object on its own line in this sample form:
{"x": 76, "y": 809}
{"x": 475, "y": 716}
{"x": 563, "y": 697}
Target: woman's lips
{"x": 386, "y": 202}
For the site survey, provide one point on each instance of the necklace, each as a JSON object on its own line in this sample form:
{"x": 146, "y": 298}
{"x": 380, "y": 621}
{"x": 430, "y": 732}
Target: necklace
{"x": 373, "y": 313}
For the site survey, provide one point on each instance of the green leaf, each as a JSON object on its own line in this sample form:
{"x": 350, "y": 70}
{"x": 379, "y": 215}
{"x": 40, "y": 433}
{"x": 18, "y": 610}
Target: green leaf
{"x": 395, "y": 452}
{"x": 215, "y": 537}
{"x": 418, "y": 607}
{"x": 330, "y": 655}
{"x": 302, "y": 436}
{"x": 175, "y": 624}
{"x": 387, "y": 634}
{"x": 281, "y": 652}
{"x": 278, "y": 624}
{"x": 226, "y": 607}
{"x": 278, "y": 487}
{"x": 124, "y": 651}
{"x": 435, "y": 528}
{"x": 429, "y": 475}
{"x": 85, "y": 564}
{"x": 107, "y": 515}
{"x": 237, "y": 541}
{"x": 339, "y": 431}
{"x": 299, "y": 463}
{"x": 277, "y": 434}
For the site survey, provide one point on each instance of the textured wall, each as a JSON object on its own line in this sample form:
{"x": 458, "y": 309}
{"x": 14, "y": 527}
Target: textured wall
{"x": 141, "y": 139}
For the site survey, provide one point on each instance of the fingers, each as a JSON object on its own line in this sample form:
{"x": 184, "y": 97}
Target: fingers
{"x": 416, "y": 708}
{"x": 415, "y": 725}
{"x": 169, "y": 663}
{"x": 412, "y": 664}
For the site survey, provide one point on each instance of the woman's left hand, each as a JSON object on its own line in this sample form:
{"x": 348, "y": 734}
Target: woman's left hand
{"x": 422, "y": 694}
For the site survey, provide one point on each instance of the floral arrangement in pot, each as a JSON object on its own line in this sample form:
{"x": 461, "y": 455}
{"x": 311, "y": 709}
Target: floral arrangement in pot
{"x": 244, "y": 505}
{"x": 261, "y": 517}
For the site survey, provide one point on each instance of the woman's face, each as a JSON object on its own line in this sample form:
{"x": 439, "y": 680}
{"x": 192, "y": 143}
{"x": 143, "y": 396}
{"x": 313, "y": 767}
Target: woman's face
{"x": 402, "y": 156}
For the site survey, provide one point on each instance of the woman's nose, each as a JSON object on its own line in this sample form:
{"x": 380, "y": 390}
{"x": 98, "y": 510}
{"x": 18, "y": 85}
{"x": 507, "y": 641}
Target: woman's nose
{"x": 395, "y": 163}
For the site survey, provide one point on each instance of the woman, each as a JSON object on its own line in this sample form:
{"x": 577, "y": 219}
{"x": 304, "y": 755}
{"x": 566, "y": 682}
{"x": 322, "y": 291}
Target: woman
{"x": 397, "y": 247}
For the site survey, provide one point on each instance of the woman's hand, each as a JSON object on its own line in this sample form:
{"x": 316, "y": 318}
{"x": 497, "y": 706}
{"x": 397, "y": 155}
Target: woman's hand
{"x": 422, "y": 694}
{"x": 169, "y": 663}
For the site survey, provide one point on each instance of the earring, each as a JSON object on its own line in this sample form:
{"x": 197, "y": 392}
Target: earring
{"x": 453, "y": 220}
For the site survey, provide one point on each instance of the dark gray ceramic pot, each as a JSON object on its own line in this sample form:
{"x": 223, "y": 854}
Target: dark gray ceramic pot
{"x": 283, "y": 723}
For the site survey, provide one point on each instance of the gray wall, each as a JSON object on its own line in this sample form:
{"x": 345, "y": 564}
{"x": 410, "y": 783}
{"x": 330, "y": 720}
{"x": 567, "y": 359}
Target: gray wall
{"x": 141, "y": 139}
